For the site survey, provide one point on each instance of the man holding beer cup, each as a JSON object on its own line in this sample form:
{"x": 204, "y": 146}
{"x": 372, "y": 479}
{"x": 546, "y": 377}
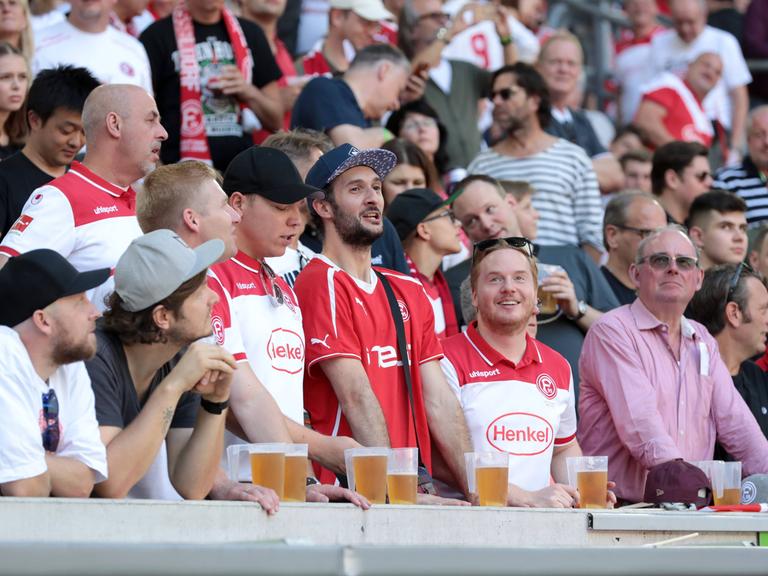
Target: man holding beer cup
{"x": 517, "y": 393}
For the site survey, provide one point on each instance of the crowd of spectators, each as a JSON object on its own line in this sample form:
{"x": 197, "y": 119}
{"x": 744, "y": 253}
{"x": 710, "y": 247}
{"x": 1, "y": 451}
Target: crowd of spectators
{"x": 399, "y": 223}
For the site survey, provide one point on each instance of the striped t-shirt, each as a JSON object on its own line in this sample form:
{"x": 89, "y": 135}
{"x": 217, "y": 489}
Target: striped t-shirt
{"x": 567, "y": 196}
{"x": 745, "y": 181}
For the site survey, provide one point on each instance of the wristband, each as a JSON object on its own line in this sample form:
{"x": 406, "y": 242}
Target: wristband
{"x": 214, "y": 407}
{"x": 312, "y": 481}
{"x": 505, "y": 40}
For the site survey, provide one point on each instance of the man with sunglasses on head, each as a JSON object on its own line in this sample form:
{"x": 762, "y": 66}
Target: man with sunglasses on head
{"x": 49, "y": 434}
{"x": 429, "y": 231}
{"x": 506, "y": 381}
{"x": 629, "y": 217}
{"x": 733, "y": 305}
{"x": 680, "y": 173}
{"x": 356, "y": 382}
{"x": 654, "y": 387}
{"x": 717, "y": 224}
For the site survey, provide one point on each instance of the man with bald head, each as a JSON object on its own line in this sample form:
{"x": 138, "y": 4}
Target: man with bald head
{"x": 653, "y": 385}
{"x": 88, "y": 215}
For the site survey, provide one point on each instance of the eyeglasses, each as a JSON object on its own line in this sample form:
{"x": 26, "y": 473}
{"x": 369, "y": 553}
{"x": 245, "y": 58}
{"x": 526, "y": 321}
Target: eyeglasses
{"x": 642, "y": 232}
{"x": 661, "y": 261}
{"x": 443, "y": 214}
{"x": 734, "y": 281}
{"x": 504, "y": 93}
{"x": 271, "y": 288}
{"x": 513, "y": 241}
{"x": 436, "y": 16}
{"x": 426, "y": 122}
{"x": 702, "y": 176}
{"x": 51, "y": 433}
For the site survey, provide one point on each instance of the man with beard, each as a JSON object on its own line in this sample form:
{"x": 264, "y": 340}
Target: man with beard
{"x": 89, "y": 214}
{"x": 504, "y": 378}
{"x": 46, "y": 331}
{"x": 163, "y": 441}
{"x": 355, "y": 385}
{"x": 567, "y": 197}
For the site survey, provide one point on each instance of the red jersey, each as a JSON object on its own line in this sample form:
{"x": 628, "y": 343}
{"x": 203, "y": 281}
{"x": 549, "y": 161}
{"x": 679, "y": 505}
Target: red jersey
{"x": 348, "y": 318}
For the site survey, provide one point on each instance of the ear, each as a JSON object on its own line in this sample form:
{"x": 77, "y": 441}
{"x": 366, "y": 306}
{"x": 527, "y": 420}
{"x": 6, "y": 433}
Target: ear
{"x": 754, "y": 259}
{"x": 697, "y": 235}
{"x": 41, "y": 322}
{"x": 162, "y": 317}
{"x": 474, "y": 299}
{"x": 699, "y": 279}
{"x": 634, "y": 274}
{"x": 191, "y": 219}
{"x": 611, "y": 234}
{"x": 671, "y": 179}
{"x": 237, "y": 202}
{"x": 422, "y": 231}
{"x": 113, "y": 124}
{"x": 511, "y": 200}
{"x": 323, "y": 208}
{"x": 35, "y": 122}
{"x": 383, "y": 70}
{"x": 733, "y": 315}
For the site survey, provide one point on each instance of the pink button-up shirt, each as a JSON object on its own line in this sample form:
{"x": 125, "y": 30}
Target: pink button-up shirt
{"x": 640, "y": 406}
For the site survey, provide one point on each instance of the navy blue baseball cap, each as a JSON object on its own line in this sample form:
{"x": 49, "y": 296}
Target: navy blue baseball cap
{"x": 333, "y": 163}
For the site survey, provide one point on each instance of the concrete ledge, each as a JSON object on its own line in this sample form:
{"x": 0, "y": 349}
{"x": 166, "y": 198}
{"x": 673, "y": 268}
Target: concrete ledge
{"x": 153, "y": 522}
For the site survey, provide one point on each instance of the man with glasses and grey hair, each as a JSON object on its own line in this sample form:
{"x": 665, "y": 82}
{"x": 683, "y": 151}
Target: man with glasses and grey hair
{"x": 654, "y": 387}
{"x": 733, "y": 305}
{"x": 505, "y": 380}
{"x": 629, "y": 217}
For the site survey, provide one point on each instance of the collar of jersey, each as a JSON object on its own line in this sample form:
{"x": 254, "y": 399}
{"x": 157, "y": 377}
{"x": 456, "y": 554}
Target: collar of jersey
{"x": 492, "y": 356}
{"x": 367, "y": 287}
{"x": 246, "y": 261}
{"x": 79, "y": 170}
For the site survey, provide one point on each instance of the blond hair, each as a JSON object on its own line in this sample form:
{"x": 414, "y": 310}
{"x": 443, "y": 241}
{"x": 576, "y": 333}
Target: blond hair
{"x": 168, "y": 191}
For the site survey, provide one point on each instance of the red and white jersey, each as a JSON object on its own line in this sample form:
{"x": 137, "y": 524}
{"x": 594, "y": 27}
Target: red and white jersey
{"x": 631, "y": 69}
{"x": 270, "y": 334}
{"x": 524, "y": 409}
{"x": 83, "y": 217}
{"x": 347, "y": 318}
{"x": 685, "y": 119}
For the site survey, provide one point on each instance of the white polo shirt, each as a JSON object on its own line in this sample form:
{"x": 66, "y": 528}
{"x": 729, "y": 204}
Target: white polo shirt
{"x": 21, "y": 403}
{"x": 524, "y": 409}
{"x": 81, "y": 216}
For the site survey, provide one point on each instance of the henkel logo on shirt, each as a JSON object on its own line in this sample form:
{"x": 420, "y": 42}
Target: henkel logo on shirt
{"x": 21, "y": 224}
{"x": 285, "y": 349}
{"x": 520, "y": 434}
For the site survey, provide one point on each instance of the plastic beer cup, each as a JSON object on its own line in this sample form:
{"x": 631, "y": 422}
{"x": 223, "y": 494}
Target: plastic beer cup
{"x": 295, "y": 473}
{"x": 488, "y": 476}
{"x": 402, "y": 475}
{"x": 589, "y": 475}
{"x": 367, "y": 472}
{"x": 268, "y": 466}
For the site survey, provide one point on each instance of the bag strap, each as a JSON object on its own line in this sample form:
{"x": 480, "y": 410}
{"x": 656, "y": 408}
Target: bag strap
{"x": 425, "y": 480}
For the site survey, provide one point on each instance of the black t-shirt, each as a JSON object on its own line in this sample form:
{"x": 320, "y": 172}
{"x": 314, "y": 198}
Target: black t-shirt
{"x": 623, "y": 294}
{"x": 752, "y": 383}
{"x": 117, "y": 403}
{"x": 325, "y": 103}
{"x": 213, "y": 49}
{"x": 18, "y": 178}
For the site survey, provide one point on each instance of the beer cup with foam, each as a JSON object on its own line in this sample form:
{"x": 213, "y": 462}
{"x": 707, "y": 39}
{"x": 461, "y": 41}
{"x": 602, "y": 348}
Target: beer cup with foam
{"x": 268, "y": 466}
{"x": 367, "y": 472}
{"x": 488, "y": 476}
{"x": 589, "y": 475}
{"x": 402, "y": 475}
{"x": 547, "y": 302}
{"x": 295, "y": 473}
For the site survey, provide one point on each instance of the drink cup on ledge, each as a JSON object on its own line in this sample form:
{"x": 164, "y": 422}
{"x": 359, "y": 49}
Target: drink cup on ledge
{"x": 295, "y": 473}
{"x": 488, "y": 476}
{"x": 268, "y": 466}
{"x": 589, "y": 475}
{"x": 367, "y": 472}
{"x": 402, "y": 475}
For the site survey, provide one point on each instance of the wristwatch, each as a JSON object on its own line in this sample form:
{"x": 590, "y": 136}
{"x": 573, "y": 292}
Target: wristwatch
{"x": 581, "y": 306}
{"x": 214, "y": 407}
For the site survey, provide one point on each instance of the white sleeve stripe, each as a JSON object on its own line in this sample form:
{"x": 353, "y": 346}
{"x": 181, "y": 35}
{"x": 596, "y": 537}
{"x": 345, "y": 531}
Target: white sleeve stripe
{"x": 337, "y": 422}
{"x": 332, "y": 300}
{"x": 330, "y": 356}
{"x": 431, "y": 358}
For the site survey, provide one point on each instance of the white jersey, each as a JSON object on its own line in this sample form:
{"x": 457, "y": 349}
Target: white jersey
{"x": 21, "y": 400}
{"x": 112, "y": 56}
{"x": 81, "y": 216}
{"x": 670, "y": 53}
{"x": 524, "y": 409}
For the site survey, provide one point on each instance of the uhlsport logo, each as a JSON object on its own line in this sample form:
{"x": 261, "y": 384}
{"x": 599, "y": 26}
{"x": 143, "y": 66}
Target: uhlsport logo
{"x": 546, "y": 385}
{"x": 217, "y": 324}
{"x": 520, "y": 434}
{"x": 285, "y": 349}
{"x": 484, "y": 373}
{"x": 105, "y": 209}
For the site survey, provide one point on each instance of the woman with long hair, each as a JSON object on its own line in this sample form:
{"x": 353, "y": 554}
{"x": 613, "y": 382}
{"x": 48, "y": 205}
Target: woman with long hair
{"x": 418, "y": 122}
{"x": 16, "y": 26}
{"x": 14, "y": 83}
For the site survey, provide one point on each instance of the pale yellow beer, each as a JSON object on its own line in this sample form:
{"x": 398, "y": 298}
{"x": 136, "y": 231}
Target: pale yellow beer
{"x": 371, "y": 477}
{"x": 402, "y": 488}
{"x": 547, "y": 302}
{"x": 268, "y": 470}
{"x": 593, "y": 488}
{"x": 729, "y": 497}
{"x": 295, "y": 478}
{"x": 492, "y": 485}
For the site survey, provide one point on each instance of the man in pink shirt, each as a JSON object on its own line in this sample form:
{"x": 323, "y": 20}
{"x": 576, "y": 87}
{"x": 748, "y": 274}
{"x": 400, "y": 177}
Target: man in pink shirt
{"x": 653, "y": 385}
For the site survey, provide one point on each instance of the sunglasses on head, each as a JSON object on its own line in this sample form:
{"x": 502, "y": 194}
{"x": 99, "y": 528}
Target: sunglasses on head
{"x": 271, "y": 288}
{"x": 518, "y": 242}
{"x": 642, "y": 232}
{"x": 733, "y": 283}
{"x": 662, "y": 261}
{"x": 51, "y": 433}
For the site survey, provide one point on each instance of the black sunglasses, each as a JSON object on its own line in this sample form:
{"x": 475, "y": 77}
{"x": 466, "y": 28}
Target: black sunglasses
{"x": 514, "y": 241}
{"x": 51, "y": 432}
{"x": 504, "y": 93}
{"x": 734, "y": 281}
